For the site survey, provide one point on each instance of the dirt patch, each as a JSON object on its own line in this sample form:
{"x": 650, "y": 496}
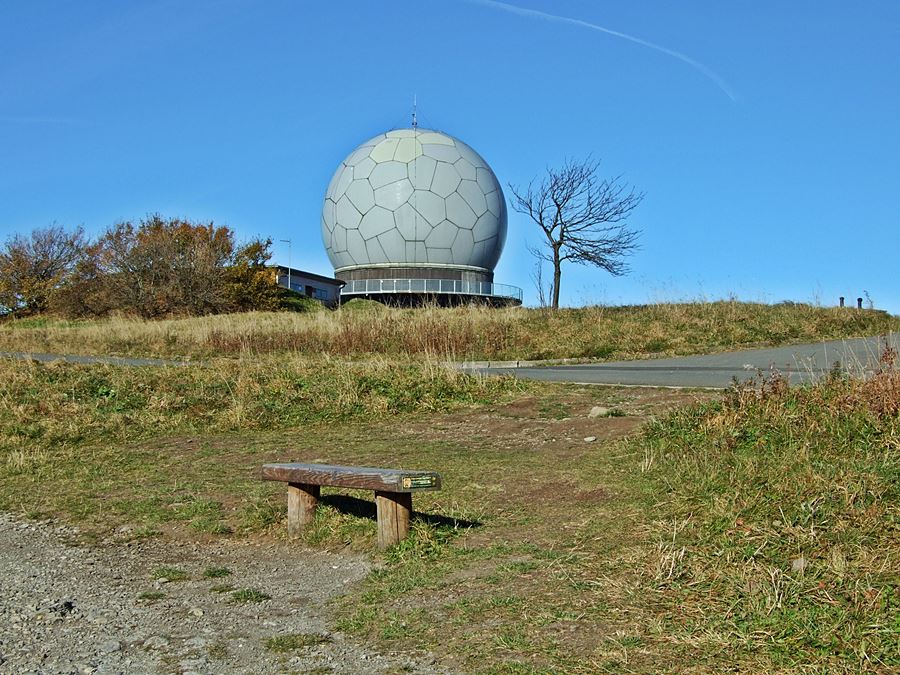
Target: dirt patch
{"x": 175, "y": 607}
{"x": 594, "y": 496}
{"x": 556, "y": 421}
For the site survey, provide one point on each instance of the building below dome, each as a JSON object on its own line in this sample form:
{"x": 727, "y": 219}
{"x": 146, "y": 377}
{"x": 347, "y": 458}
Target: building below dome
{"x": 443, "y": 292}
{"x": 413, "y": 216}
{"x": 324, "y": 289}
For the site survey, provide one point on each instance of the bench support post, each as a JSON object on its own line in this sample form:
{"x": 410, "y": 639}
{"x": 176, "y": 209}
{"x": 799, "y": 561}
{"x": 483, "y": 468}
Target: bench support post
{"x": 302, "y": 500}
{"x": 393, "y": 510}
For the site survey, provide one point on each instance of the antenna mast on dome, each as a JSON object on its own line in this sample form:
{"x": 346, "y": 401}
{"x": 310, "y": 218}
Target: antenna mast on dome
{"x": 415, "y": 122}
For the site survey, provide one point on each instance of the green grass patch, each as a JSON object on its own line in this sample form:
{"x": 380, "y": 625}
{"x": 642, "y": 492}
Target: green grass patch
{"x": 757, "y": 531}
{"x": 245, "y": 595}
{"x": 777, "y": 524}
{"x": 282, "y": 644}
{"x": 170, "y": 574}
{"x": 211, "y": 526}
{"x": 87, "y": 434}
{"x": 216, "y": 572}
{"x": 151, "y": 595}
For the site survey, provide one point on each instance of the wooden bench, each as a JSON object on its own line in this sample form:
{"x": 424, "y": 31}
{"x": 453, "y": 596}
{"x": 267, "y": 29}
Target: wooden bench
{"x": 393, "y": 493}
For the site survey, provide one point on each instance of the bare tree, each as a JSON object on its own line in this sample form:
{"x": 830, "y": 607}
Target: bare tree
{"x": 582, "y": 218}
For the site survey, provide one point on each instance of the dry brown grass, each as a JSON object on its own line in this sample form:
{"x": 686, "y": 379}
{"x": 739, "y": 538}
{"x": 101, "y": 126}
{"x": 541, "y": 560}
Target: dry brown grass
{"x": 50, "y": 410}
{"x": 459, "y": 333}
{"x": 776, "y": 511}
{"x": 757, "y": 533}
{"x": 676, "y": 549}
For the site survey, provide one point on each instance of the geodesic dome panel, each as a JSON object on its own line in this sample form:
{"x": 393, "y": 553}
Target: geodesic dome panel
{"x": 414, "y": 197}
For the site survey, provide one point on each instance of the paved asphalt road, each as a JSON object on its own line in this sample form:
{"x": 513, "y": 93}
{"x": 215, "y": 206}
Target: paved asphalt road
{"x": 801, "y": 363}
{"x": 75, "y": 358}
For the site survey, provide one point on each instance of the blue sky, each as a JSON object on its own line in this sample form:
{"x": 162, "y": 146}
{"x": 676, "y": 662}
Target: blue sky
{"x": 240, "y": 111}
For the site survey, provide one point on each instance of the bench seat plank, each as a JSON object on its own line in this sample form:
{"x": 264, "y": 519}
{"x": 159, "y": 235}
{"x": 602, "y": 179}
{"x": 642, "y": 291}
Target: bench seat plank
{"x": 359, "y": 477}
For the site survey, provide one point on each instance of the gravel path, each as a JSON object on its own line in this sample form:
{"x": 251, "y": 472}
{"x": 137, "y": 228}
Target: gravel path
{"x": 74, "y": 609}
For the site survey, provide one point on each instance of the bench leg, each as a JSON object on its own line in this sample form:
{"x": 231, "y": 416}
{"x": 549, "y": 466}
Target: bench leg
{"x": 302, "y": 500}
{"x": 394, "y": 510}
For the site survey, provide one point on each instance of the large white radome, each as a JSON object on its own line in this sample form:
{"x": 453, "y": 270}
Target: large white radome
{"x": 414, "y": 198}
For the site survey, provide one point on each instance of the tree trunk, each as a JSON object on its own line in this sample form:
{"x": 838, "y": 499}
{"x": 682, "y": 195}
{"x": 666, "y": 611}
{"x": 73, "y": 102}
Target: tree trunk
{"x": 557, "y": 273}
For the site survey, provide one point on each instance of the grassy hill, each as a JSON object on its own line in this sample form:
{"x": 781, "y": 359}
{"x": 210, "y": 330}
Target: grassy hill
{"x": 755, "y": 530}
{"x": 462, "y": 333}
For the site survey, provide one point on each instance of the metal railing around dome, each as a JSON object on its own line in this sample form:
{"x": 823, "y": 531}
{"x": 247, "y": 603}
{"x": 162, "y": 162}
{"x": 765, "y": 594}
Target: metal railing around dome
{"x": 436, "y": 286}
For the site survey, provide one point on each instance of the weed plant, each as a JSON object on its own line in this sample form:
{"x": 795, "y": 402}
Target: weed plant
{"x": 170, "y": 574}
{"x": 151, "y": 595}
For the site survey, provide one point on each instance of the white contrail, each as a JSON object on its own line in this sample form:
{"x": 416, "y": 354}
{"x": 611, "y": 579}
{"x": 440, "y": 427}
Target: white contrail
{"x": 536, "y": 14}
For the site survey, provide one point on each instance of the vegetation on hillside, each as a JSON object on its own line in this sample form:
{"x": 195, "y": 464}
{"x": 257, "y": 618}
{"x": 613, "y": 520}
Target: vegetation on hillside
{"x": 155, "y": 268}
{"x": 777, "y": 516}
{"x": 48, "y": 406}
{"x": 757, "y": 531}
{"x": 361, "y": 329}
{"x": 69, "y": 433}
